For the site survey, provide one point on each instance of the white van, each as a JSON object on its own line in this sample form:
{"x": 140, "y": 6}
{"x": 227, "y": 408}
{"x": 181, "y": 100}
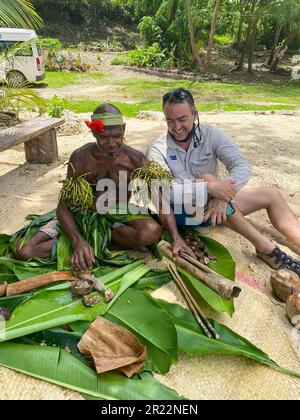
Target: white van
{"x": 27, "y": 64}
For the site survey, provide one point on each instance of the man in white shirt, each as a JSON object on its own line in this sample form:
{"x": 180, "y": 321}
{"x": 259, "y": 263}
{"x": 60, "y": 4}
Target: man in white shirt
{"x": 191, "y": 152}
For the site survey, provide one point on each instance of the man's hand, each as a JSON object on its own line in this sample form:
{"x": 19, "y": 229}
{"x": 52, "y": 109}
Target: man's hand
{"x": 83, "y": 256}
{"x": 180, "y": 246}
{"x": 223, "y": 190}
{"x": 216, "y": 211}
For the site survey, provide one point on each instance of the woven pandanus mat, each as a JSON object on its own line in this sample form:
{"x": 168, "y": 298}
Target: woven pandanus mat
{"x": 257, "y": 318}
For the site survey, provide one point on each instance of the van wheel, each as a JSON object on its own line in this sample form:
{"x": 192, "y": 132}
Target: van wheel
{"x": 15, "y": 77}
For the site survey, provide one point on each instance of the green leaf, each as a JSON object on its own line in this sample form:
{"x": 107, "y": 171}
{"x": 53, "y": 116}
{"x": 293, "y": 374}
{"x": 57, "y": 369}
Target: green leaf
{"x": 26, "y": 269}
{"x": 191, "y": 339}
{"x": 57, "y": 337}
{"x": 200, "y": 290}
{"x": 154, "y": 280}
{"x": 11, "y": 302}
{"x": 64, "y": 252}
{"x": 19, "y": 13}
{"x": 59, "y": 367}
{"x": 45, "y": 310}
{"x": 139, "y": 313}
{"x": 54, "y": 307}
{"x": 129, "y": 280}
{"x": 4, "y": 243}
{"x": 225, "y": 264}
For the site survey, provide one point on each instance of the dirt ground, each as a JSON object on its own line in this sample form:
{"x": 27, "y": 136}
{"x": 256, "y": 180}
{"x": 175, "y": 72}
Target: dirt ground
{"x": 270, "y": 142}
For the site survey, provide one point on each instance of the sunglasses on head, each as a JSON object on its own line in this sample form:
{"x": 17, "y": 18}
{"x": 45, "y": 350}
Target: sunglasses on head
{"x": 176, "y": 96}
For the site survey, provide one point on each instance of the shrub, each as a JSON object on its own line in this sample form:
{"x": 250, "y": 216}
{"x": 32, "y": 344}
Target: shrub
{"x": 147, "y": 57}
{"x": 56, "y": 107}
{"x": 150, "y": 32}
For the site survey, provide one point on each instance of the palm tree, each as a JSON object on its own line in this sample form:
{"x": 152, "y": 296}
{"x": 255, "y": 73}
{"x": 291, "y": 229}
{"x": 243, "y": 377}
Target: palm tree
{"x": 19, "y": 13}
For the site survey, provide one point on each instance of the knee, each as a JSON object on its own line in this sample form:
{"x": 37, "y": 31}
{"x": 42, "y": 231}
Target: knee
{"x": 24, "y": 253}
{"x": 150, "y": 233}
{"x": 272, "y": 195}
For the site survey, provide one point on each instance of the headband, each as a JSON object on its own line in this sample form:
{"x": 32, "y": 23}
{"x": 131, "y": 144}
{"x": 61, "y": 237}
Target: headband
{"x": 99, "y": 121}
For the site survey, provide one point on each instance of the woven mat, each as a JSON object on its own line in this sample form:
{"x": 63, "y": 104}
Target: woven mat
{"x": 258, "y": 318}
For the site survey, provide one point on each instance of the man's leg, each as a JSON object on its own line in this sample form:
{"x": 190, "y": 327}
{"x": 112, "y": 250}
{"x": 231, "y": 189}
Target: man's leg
{"x": 281, "y": 216}
{"x": 39, "y": 246}
{"x": 136, "y": 234}
{"x": 240, "y": 224}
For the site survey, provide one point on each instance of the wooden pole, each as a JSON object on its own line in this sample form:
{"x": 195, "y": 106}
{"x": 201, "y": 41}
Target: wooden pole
{"x": 35, "y": 282}
{"x": 225, "y": 288}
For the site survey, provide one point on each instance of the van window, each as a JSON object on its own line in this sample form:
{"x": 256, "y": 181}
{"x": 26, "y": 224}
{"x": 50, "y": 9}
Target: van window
{"x": 39, "y": 50}
{"x": 26, "y": 51}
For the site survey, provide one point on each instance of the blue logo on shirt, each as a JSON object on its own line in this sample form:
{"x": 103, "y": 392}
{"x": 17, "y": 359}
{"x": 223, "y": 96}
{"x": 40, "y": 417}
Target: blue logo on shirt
{"x": 173, "y": 157}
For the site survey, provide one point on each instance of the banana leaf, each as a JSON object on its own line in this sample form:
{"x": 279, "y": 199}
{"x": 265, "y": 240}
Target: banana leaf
{"x": 64, "y": 252}
{"x": 4, "y": 242}
{"x": 52, "y": 308}
{"x": 154, "y": 280}
{"x": 59, "y": 367}
{"x": 26, "y": 269}
{"x": 201, "y": 291}
{"x": 11, "y": 302}
{"x": 192, "y": 341}
{"x": 139, "y": 313}
{"x": 225, "y": 264}
{"x": 127, "y": 281}
{"x": 57, "y": 337}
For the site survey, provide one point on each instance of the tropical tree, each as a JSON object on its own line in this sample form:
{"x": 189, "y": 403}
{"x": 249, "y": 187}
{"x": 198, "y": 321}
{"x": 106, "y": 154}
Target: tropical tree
{"x": 19, "y": 13}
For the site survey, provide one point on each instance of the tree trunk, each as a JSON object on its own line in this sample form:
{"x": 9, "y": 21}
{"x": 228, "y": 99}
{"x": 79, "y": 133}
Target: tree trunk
{"x": 196, "y": 54}
{"x": 252, "y": 43}
{"x": 240, "y": 29}
{"x": 279, "y": 56}
{"x": 240, "y": 65}
{"x": 274, "y": 47}
{"x": 212, "y": 34}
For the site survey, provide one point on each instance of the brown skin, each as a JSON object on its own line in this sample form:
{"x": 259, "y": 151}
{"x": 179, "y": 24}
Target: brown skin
{"x": 100, "y": 160}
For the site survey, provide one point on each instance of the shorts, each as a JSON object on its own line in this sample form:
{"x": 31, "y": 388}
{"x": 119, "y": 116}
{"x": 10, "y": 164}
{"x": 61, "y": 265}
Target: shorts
{"x": 51, "y": 228}
{"x": 182, "y": 222}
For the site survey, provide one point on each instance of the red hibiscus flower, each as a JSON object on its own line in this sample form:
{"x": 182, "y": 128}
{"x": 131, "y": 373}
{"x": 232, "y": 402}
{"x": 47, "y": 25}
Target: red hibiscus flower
{"x": 96, "y": 126}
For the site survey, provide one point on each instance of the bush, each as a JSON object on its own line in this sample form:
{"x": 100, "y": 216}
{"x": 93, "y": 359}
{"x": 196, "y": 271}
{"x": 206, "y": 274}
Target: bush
{"x": 50, "y": 44}
{"x": 148, "y": 57}
{"x": 56, "y": 107}
{"x": 150, "y": 32}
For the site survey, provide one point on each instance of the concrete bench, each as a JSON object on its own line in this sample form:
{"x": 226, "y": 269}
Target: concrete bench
{"x": 38, "y": 136}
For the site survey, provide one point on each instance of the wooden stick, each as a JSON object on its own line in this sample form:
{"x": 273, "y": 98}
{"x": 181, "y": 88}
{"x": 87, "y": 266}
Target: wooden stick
{"x": 223, "y": 287}
{"x": 193, "y": 305}
{"x": 35, "y": 282}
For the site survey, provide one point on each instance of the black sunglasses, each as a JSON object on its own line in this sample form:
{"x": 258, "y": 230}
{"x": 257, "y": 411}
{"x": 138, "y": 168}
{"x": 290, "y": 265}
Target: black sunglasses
{"x": 176, "y": 96}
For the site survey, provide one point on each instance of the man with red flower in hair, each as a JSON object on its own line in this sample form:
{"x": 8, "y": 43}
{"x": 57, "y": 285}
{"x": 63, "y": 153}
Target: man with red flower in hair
{"x": 107, "y": 158}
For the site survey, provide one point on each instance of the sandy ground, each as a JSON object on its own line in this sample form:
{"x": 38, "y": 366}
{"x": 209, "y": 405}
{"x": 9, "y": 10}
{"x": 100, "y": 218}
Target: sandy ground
{"x": 270, "y": 142}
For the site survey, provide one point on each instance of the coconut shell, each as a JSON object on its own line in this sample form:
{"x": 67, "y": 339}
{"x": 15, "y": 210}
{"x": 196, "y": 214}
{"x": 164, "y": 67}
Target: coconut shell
{"x": 284, "y": 284}
{"x": 293, "y": 309}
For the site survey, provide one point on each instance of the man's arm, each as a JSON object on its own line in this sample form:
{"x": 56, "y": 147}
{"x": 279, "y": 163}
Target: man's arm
{"x": 227, "y": 152}
{"x": 83, "y": 254}
{"x": 167, "y": 218}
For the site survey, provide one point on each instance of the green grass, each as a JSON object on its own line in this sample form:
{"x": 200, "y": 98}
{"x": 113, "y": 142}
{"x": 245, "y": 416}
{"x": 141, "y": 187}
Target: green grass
{"x": 153, "y": 90}
{"x": 62, "y": 79}
{"x": 132, "y": 110}
{"x": 210, "y": 96}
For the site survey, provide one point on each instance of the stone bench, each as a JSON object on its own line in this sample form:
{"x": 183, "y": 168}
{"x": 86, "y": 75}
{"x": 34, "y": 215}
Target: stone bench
{"x": 38, "y": 136}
